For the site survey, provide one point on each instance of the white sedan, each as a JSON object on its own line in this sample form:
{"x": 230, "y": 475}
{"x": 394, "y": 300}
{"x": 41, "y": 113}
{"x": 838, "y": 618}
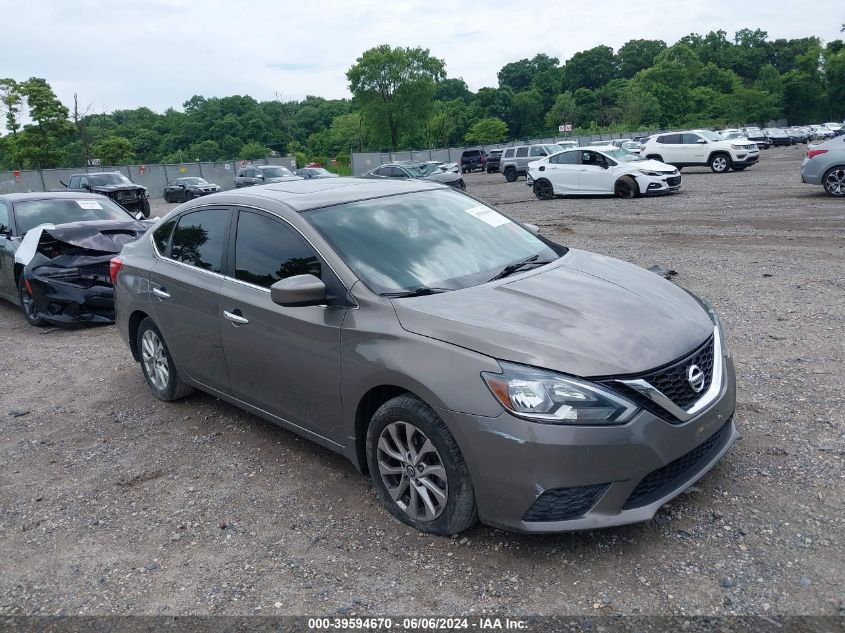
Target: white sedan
{"x": 600, "y": 171}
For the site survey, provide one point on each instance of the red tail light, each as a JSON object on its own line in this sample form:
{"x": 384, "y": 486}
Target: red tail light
{"x": 114, "y": 267}
{"x": 815, "y": 152}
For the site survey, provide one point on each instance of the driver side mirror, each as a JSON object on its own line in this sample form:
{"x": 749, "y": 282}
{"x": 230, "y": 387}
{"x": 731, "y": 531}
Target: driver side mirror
{"x": 5, "y": 231}
{"x": 299, "y": 290}
{"x": 701, "y": 141}
{"x": 87, "y": 187}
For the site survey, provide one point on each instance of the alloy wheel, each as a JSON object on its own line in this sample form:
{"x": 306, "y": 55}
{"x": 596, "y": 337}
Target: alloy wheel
{"x": 412, "y": 471}
{"x": 543, "y": 190}
{"x": 623, "y": 189}
{"x": 155, "y": 360}
{"x": 834, "y": 184}
{"x": 720, "y": 164}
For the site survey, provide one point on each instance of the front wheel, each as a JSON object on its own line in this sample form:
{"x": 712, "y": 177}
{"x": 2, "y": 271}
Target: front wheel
{"x": 543, "y": 189}
{"x": 417, "y": 469}
{"x": 157, "y": 364}
{"x": 145, "y": 208}
{"x": 834, "y": 182}
{"x": 625, "y": 187}
{"x": 510, "y": 174}
{"x": 720, "y": 163}
{"x": 27, "y": 303}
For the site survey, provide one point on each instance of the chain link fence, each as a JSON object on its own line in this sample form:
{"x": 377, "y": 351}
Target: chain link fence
{"x": 363, "y": 162}
{"x": 153, "y": 177}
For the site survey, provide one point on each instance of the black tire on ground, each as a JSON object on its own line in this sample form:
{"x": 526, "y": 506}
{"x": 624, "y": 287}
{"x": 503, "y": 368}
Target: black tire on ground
{"x": 833, "y": 181}
{"x": 459, "y": 511}
{"x": 27, "y": 304}
{"x": 720, "y": 163}
{"x": 145, "y": 208}
{"x": 166, "y": 197}
{"x": 543, "y": 189}
{"x": 172, "y": 388}
{"x": 188, "y": 195}
{"x": 626, "y": 187}
{"x": 510, "y": 174}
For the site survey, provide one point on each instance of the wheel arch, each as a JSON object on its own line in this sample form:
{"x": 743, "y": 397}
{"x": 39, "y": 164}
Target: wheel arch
{"x": 367, "y": 406}
{"x": 134, "y": 323}
{"x": 632, "y": 180}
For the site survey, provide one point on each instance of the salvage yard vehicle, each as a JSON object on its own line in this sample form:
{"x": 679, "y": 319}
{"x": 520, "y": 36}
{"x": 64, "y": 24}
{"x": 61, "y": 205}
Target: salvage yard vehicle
{"x": 600, "y": 170}
{"x": 416, "y": 170}
{"x": 514, "y": 162}
{"x": 55, "y": 250}
{"x": 472, "y": 367}
{"x": 824, "y": 165}
{"x": 494, "y": 159}
{"x": 113, "y": 185}
{"x": 183, "y": 189}
{"x": 778, "y": 136}
{"x": 473, "y": 159}
{"x": 262, "y": 175}
{"x": 315, "y": 172}
{"x": 701, "y": 147}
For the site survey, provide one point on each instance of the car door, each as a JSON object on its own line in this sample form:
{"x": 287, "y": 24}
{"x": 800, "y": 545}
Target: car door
{"x": 694, "y": 148}
{"x": 185, "y": 286}
{"x": 667, "y": 148}
{"x": 595, "y": 174}
{"x": 562, "y": 171}
{"x": 284, "y": 360}
{"x": 8, "y": 246}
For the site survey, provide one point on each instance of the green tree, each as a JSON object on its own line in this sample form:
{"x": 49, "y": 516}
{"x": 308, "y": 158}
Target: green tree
{"x": 450, "y": 89}
{"x": 636, "y": 55}
{"x": 485, "y": 131}
{"x": 114, "y": 150}
{"x": 10, "y": 103}
{"x": 253, "y": 150}
{"x": 518, "y": 76}
{"x": 562, "y": 112}
{"x": 51, "y": 132}
{"x": 395, "y": 87}
{"x": 589, "y": 69}
{"x": 527, "y": 114}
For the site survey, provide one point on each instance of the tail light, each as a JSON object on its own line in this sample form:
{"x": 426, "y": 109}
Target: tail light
{"x": 815, "y": 152}
{"x": 114, "y": 267}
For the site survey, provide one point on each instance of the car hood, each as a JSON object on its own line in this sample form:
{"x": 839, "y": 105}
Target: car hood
{"x": 652, "y": 164}
{"x": 281, "y": 179}
{"x": 112, "y": 188}
{"x": 442, "y": 176}
{"x": 584, "y": 315}
{"x": 98, "y": 237}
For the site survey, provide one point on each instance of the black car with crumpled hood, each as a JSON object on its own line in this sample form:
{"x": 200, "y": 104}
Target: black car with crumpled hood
{"x": 114, "y": 185}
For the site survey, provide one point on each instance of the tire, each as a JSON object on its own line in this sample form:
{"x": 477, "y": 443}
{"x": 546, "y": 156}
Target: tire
{"x": 463, "y": 171}
{"x": 27, "y": 304}
{"x": 155, "y": 357}
{"x": 834, "y": 181}
{"x": 720, "y": 163}
{"x": 145, "y": 208}
{"x": 188, "y": 195}
{"x": 543, "y": 189}
{"x": 406, "y": 422}
{"x": 166, "y": 197}
{"x": 510, "y": 174}
{"x": 626, "y": 187}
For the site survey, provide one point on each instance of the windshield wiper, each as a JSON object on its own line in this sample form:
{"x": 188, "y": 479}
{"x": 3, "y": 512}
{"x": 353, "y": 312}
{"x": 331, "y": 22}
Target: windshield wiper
{"x": 416, "y": 292}
{"x": 510, "y": 269}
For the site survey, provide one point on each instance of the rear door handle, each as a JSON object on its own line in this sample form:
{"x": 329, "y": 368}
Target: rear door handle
{"x": 160, "y": 293}
{"x": 235, "y": 317}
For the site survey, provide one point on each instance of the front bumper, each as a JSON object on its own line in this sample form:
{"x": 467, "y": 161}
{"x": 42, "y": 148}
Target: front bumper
{"x": 656, "y": 185}
{"x": 611, "y": 475}
{"x": 65, "y": 304}
{"x": 746, "y": 159}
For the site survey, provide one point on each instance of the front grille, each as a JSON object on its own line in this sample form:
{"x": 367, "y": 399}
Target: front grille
{"x": 562, "y": 504}
{"x": 662, "y": 481}
{"x": 673, "y": 181}
{"x": 672, "y": 381}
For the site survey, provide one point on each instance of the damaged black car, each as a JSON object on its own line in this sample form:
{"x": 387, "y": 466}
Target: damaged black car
{"x": 116, "y": 186}
{"x": 55, "y": 250}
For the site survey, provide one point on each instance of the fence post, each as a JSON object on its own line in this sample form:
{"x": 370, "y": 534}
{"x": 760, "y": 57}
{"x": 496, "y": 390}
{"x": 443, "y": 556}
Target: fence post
{"x": 200, "y": 164}
{"x": 43, "y": 185}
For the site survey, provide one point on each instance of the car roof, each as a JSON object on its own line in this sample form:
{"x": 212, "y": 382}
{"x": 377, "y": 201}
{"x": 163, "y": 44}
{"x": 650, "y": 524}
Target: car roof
{"x": 303, "y": 195}
{"x": 98, "y": 173}
{"x": 48, "y": 195}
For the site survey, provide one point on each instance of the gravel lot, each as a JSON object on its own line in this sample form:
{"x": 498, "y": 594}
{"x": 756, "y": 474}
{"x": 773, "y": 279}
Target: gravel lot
{"x": 113, "y": 502}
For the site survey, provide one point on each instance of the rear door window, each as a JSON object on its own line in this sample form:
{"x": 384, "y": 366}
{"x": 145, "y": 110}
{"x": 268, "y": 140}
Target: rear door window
{"x": 521, "y": 152}
{"x": 566, "y": 158}
{"x": 537, "y": 150}
{"x": 199, "y": 238}
{"x": 670, "y": 139}
{"x": 508, "y": 153}
{"x": 690, "y": 139}
{"x": 161, "y": 236}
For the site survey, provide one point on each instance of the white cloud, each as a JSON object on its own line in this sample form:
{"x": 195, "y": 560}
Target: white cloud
{"x": 159, "y": 53}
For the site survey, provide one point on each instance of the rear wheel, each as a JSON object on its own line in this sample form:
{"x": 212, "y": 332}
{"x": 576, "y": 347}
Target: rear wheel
{"x": 27, "y": 302}
{"x": 166, "y": 197}
{"x": 720, "y": 163}
{"x": 834, "y": 181}
{"x": 626, "y": 187}
{"x": 417, "y": 469}
{"x": 543, "y": 189}
{"x": 510, "y": 174}
{"x": 157, "y": 364}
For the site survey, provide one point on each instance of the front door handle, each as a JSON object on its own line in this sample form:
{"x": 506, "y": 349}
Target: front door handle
{"x": 160, "y": 293}
{"x": 235, "y": 317}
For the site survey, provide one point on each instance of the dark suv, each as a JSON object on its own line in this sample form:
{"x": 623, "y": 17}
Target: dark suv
{"x": 473, "y": 159}
{"x": 494, "y": 159}
{"x": 263, "y": 174}
{"x": 116, "y": 186}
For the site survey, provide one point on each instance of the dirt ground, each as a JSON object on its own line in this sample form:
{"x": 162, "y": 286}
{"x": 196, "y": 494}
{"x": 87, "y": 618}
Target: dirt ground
{"x": 112, "y": 502}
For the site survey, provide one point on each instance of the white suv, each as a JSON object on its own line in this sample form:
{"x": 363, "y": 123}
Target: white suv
{"x": 701, "y": 147}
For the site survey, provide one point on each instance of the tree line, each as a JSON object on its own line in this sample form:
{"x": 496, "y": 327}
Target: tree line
{"x": 403, "y": 99}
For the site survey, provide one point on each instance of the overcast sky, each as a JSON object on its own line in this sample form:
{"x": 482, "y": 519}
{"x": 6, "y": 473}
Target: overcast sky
{"x": 158, "y": 53}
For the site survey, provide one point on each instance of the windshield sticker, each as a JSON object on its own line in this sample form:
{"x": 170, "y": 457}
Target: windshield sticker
{"x": 485, "y": 214}
{"x": 89, "y": 204}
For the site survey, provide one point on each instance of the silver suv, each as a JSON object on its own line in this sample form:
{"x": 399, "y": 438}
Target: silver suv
{"x": 515, "y": 159}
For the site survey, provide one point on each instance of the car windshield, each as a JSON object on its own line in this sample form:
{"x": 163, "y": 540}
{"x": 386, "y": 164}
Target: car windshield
{"x": 320, "y": 170}
{"x": 275, "y": 172}
{"x": 426, "y": 239}
{"x": 194, "y": 181}
{"x": 710, "y": 136}
{"x": 419, "y": 171}
{"x": 31, "y": 213}
{"x": 104, "y": 180}
{"x": 621, "y": 155}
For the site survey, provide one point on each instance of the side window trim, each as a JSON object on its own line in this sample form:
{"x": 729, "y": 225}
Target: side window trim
{"x": 224, "y": 262}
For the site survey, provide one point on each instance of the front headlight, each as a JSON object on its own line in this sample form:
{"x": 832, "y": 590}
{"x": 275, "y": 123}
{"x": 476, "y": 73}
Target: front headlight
{"x": 549, "y": 397}
{"x": 649, "y": 172}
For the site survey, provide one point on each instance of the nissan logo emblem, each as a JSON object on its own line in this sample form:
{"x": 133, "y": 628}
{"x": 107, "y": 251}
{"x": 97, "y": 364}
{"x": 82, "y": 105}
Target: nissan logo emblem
{"x": 695, "y": 378}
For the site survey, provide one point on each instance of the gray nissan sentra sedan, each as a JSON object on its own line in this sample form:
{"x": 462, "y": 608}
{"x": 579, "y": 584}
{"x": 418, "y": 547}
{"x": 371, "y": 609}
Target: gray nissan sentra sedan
{"x": 473, "y": 368}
